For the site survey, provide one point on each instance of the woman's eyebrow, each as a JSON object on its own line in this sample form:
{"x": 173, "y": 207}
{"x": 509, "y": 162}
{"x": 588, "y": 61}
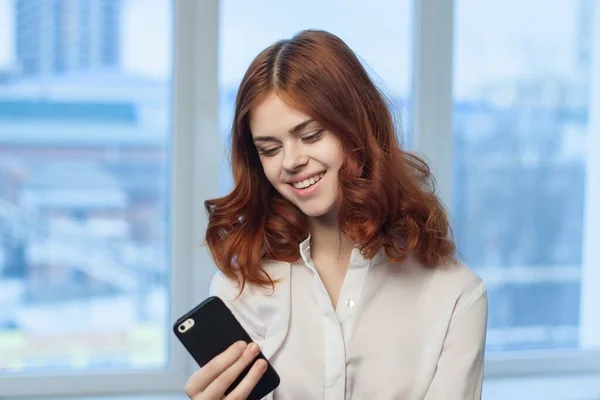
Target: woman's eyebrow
{"x": 301, "y": 126}
{"x": 264, "y": 139}
{"x": 294, "y": 131}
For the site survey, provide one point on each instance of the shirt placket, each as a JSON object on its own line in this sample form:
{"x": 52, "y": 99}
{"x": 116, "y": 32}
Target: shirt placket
{"x": 337, "y": 325}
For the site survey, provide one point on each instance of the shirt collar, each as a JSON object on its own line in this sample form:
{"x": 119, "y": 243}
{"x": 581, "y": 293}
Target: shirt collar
{"x": 305, "y": 251}
{"x": 356, "y": 258}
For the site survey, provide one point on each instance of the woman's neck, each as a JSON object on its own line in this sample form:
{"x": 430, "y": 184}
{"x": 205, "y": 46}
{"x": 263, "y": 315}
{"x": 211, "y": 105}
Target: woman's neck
{"x": 327, "y": 242}
{"x": 330, "y": 251}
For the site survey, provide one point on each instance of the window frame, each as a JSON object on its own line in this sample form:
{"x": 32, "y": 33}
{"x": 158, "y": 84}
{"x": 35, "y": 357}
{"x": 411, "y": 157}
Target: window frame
{"x": 590, "y": 335}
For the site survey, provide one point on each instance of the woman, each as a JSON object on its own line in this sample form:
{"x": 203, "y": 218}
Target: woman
{"x": 334, "y": 252}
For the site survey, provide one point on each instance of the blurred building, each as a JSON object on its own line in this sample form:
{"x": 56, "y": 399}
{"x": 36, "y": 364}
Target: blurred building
{"x": 56, "y": 36}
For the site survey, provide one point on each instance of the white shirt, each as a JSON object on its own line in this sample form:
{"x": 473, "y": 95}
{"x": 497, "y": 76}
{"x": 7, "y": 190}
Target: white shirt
{"x": 399, "y": 331}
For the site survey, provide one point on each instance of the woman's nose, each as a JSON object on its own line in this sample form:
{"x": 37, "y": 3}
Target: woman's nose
{"x": 293, "y": 159}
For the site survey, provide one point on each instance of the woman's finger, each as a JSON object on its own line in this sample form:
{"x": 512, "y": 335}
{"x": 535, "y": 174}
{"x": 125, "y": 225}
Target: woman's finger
{"x": 218, "y": 387}
{"x": 249, "y": 382}
{"x": 202, "y": 378}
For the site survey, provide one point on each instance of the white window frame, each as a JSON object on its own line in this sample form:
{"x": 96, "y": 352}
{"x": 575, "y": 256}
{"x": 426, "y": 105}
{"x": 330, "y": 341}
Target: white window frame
{"x": 195, "y": 146}
{"x": 432, "y": 129}
{"x": 590, "y": 333}
{"x": 197, "y": 153}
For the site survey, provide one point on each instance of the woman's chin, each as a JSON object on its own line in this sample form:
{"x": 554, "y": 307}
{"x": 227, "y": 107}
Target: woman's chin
{"x": 318, "y": 210}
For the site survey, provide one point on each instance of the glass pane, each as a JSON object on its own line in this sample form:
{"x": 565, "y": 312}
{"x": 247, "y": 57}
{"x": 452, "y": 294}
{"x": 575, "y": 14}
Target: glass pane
{"x": 521, "y": 121}
{"x": 84, "y": 137}
{"x": 379, "y": 31}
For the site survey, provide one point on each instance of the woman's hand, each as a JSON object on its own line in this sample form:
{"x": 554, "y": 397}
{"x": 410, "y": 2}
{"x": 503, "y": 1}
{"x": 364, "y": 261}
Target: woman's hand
{"x": 211, "y": 381}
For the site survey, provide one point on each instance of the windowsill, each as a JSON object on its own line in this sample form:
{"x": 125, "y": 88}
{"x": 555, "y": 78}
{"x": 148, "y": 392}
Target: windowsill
{"x": 560, "y": 387}
{"x": 576, "y": 387}
{"x": 140, "y": 396}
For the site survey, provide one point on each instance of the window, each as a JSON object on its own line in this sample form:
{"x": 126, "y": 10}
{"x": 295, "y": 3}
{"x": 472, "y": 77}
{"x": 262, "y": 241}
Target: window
{"x": 523, "y": 165}
{"x": 85, "y": 114}
{"x": 86, "y": 139}
{"x": 378, "y": 31}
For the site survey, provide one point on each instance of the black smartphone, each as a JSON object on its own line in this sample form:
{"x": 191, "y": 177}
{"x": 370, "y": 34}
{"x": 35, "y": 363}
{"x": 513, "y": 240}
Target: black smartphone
{"x": 208, "y": 330}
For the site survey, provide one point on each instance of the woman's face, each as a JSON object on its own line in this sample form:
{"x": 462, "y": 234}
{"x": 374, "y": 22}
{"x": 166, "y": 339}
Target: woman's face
{"x": 299, "y": 157}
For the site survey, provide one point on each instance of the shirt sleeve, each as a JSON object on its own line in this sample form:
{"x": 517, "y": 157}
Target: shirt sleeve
{"x": 459, "y": 373}
{"x": 241, "y": 305}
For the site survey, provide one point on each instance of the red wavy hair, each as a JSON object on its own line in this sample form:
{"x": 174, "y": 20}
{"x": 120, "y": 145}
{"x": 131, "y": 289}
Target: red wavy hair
{"x": 386, "y": 195}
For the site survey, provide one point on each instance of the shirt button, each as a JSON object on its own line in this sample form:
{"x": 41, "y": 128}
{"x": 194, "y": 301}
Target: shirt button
{"x": 350, "y": 302}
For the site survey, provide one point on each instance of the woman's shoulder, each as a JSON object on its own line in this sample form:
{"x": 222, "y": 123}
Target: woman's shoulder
{"x": 450, "y": 279}
{"x": 459, "y": 283}
{"x": 230, "y": 289}
{"x": 262, "y": 311}
{"x": 254, "y": 302}
{"x": 446, "y": 290}
{"x": 459, "y": 275}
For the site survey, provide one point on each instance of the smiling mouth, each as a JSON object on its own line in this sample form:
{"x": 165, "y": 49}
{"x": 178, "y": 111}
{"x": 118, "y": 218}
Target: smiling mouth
{"x": 308, "y": 182}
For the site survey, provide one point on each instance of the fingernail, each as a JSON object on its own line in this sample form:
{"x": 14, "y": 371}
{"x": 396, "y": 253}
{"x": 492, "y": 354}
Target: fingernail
{"x": 241, "y": 345}
{"x": 253, "y": 348}
{"x": 263, "y": 365}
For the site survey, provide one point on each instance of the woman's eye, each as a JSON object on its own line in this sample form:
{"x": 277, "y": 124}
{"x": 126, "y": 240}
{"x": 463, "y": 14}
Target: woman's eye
{"x": 268, "y": 152}
{"x": 313, "y": 137}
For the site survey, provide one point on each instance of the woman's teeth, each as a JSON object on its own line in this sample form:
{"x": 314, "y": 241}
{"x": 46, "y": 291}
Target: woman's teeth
{"x": 308, "y": 182}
